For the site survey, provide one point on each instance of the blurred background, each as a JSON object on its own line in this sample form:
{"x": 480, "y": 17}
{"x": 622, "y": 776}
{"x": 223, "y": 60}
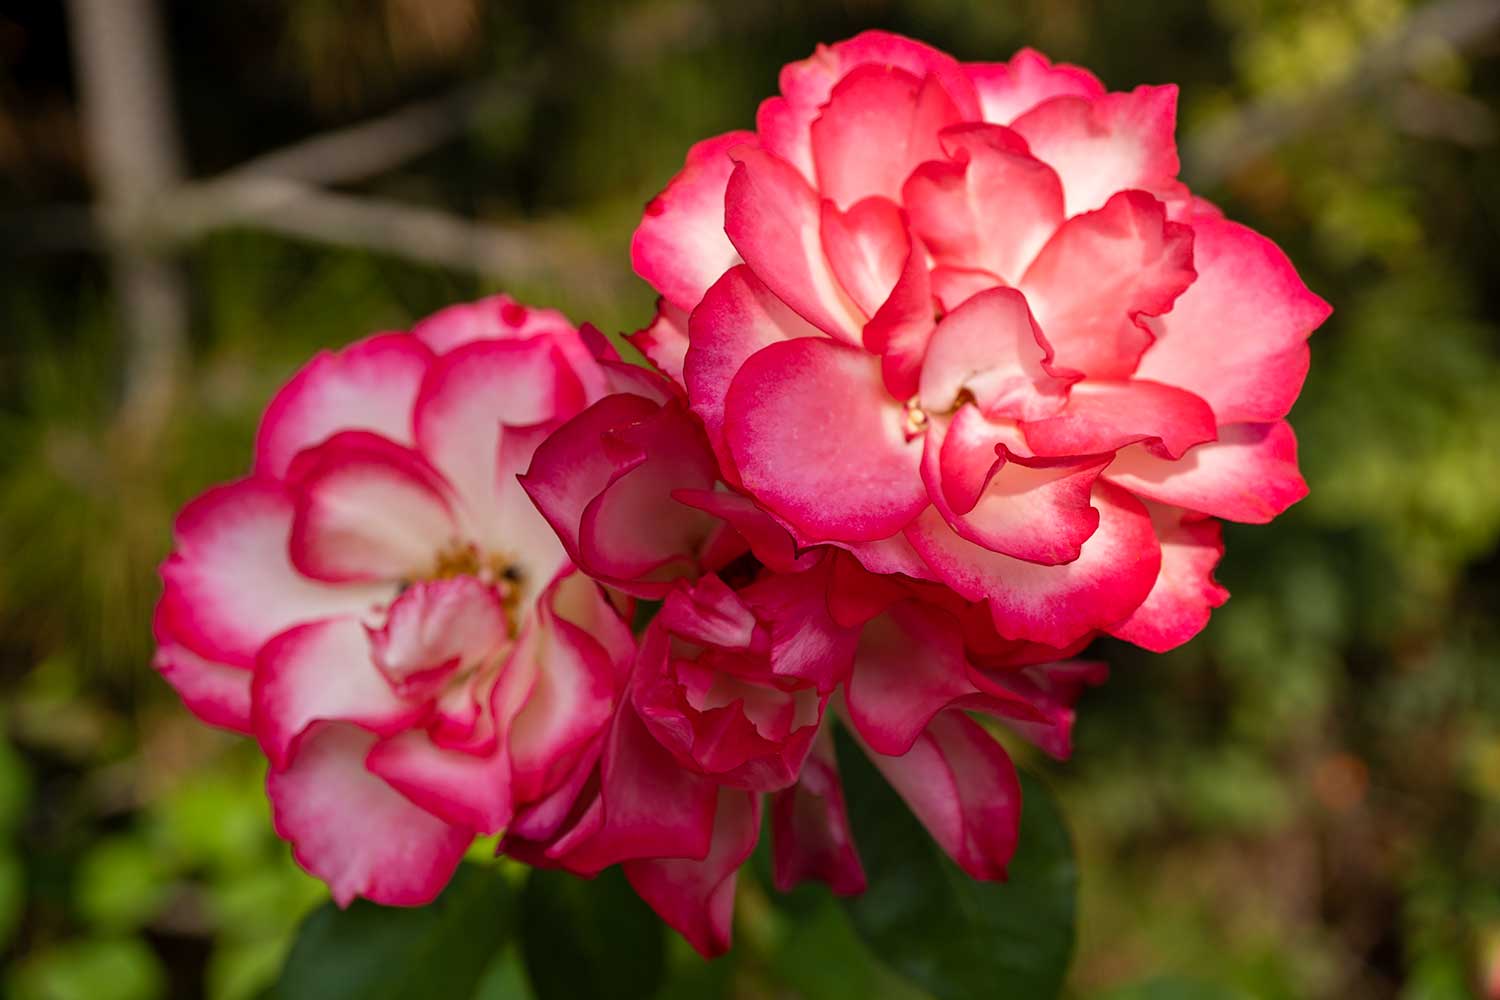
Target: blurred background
{"x": 194, "y": 197}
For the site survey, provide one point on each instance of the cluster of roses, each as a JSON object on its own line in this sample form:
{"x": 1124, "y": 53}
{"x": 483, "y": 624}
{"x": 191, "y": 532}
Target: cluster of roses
{"x": 952, "y": 375}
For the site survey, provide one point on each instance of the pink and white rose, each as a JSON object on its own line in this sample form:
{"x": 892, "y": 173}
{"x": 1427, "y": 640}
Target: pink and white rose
{"x": 380, "y": 605}
{"x": 964, "y": 321}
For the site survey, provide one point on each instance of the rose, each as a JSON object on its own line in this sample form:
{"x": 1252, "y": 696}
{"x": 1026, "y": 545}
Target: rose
{"x": 733, "y": 683}
{"x": 380, "y": 605}
{"x": 964, "y": 321}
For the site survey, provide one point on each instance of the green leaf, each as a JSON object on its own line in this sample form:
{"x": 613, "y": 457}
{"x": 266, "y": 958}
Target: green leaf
{"x": 958, "y": 938}
{"x": 589, "y": 938}
{"x": 370, "y": 952}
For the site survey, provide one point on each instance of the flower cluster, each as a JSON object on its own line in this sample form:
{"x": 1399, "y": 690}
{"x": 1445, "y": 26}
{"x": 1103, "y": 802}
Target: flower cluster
{"x": 953, "y": 375}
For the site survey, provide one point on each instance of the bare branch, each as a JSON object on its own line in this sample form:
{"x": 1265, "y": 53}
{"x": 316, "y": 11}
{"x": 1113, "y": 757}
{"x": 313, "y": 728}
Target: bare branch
{"x": 132, "y": 137}
{"x": 358, "y": 152}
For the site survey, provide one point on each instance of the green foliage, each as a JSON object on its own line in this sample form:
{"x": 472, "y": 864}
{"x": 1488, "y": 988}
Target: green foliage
{"x": 369, "y": 952}
{"x": 589, "y": 938}
{"x": 956, "y": 937}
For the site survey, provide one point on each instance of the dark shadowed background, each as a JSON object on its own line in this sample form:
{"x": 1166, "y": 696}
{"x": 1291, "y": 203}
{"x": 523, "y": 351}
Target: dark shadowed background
{"x": 1302, "y": 802}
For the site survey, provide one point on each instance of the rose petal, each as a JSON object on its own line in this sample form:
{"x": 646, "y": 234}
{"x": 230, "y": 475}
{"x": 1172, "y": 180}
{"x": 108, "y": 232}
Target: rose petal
{"x": 1249, "y": 474}
{"x": 812, "y": 839}
{"x": 1007, "y": 90}
{"x": 355, "y": 832}
{"x": 991, "y": 348}
{"x": 737, "y": 317}
{"x": 963, "y": 787}
{"x": 321, "y": 672}
{"x": 665, "y": 341}
{"x": 1036, "y": 509}
{"x": 369, "y": 385}
{"x": 680, "y": 247}
{"x": 368, "y": 509}
{"x": 467, "y": 395}
{"x": 1099, "y": 274}
{"x": 1186, "y": 592}
{"x": 1055, "y": 605}
{"x": 230, "y": 584}
{"x": 773, "y": 218}
{"x": 991, "y": 208}
{"x": 790, "y": 414}
{"x": 696, "y": 897}
{"x": 1237, "y": 337}
{"x": 882, "y": 108}
{"x": 1107, "y": 144}
{"x": 1102, "y": 416}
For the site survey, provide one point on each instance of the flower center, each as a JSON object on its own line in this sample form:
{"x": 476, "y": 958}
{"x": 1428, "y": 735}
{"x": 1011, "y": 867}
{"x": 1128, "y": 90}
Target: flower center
{"x": 916, "y": 418}
{"x": 465, "y": 559}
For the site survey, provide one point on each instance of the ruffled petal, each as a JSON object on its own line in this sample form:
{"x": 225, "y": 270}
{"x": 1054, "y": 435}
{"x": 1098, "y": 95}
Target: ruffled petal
{"x": 665, "y": 341}
{"x": 497, "y": 317}
{"x": 571, "y": 467}
{"x": 1007, "y": 90}
{"x": 991, "y": 208}
{"x": 368, "y": 509}
{"x": 1249, "y": 474}
{"x": 1100, "y": 274}
{"x": 867, "y": 248}
{"x": 784, "y": 123}
{"x": 229, "y": 584}
{"x": 812, "y": 839}
{"x": 680, "y": 247}
{"x": 355, "y": 832}
{"x": 1237, "y": 337}
{"x": 217, "y": 693}
{"x": 991, "y": 348}
{"x": 434, "y": 628}
{"x": 633, "y": 530}
{"x": 738, "y": 316}
{"x": 963, "y": 787}
{"x": 1055, "y": 605}
{"x": 773, "y": 218}
{"x": 882, "y": 108}
{"x": 649, "y": 806}
{"x": 1107, "y": 144}
{"x": 771, "y": 543}
{"x": 1103, "y": 416}
{"x": 1186, "y": 592}
{"x": 472, "y": 791}
{"x": 467, "y": 395}
{"x": 696, "y": 897}
{"x": 322, "y": 672}
{"x": 790, "y": 415}
{"x": 573, "y": 695}
{"x": 369, "y": 385}
{"x": 1036, "y": 509}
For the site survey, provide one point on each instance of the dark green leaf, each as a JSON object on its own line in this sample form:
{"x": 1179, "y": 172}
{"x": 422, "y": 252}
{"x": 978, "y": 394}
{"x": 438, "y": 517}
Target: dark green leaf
{"x": 589, "y": 938}
{"x": 370, "y": 952}
{"x": 955, "y": 937}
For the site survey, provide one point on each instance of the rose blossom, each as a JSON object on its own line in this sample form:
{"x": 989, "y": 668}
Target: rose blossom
{"x": 963, "y": 321}
{"x": 380, "y": 605}
{"x": 757, "y": 647}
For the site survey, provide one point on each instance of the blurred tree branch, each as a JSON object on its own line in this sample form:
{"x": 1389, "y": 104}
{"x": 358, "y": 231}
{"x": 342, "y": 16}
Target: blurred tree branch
{"x": 128, "y": 120}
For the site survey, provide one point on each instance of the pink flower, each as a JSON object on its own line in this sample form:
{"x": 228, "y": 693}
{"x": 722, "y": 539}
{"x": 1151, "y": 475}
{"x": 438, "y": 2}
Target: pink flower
{"x": 757, "y": 647}
{"x": 964, "y": 322}
{"x": 382, "y": 607}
